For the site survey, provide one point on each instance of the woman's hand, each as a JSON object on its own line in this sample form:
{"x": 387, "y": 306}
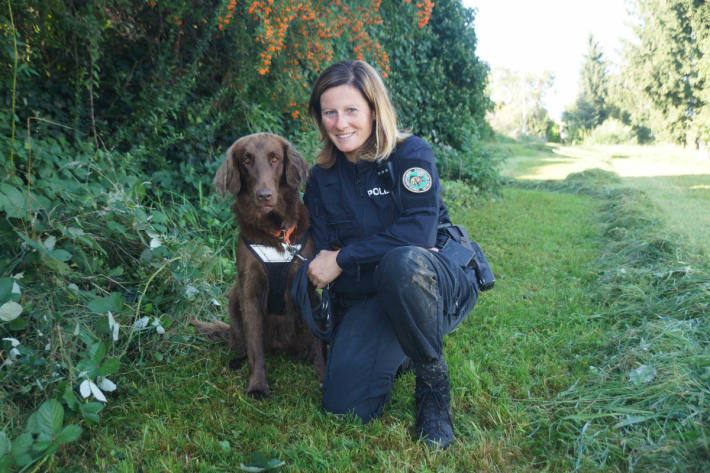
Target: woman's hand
{"x": 324, "y": 269}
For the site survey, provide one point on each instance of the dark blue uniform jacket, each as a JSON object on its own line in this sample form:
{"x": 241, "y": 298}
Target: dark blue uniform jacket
{"x": 353, "y": 209}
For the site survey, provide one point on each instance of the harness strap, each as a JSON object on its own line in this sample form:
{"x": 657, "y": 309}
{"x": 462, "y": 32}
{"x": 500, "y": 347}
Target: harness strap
{"x": 276, "y": 271}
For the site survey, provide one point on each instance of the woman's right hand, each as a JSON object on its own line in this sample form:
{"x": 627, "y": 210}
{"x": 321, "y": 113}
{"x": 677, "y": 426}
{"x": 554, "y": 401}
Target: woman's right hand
{"x": 324, "y": 268}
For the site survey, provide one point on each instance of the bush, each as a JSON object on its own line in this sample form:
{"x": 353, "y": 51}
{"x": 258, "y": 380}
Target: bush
{"x": 95, "y": 277}
{"x": 611, "y": 132}
{"x": 476, "y": 164}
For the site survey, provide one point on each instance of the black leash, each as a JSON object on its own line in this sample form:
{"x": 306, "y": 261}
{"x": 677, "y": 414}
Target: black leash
{"x": 317, "y": 316}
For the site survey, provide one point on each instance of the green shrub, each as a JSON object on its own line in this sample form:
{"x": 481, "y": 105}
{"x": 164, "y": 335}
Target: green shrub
{"x": 611, "y": 132}
{"x": 100, "y": 269}
{"x": 476, "y": 163}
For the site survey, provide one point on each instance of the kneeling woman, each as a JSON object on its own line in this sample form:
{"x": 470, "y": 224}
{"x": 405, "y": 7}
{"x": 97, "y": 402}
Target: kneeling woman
{"x": 394, "y": 295}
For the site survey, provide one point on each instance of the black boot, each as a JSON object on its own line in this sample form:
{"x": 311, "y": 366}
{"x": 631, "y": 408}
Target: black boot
{"x": 433, "y": 423}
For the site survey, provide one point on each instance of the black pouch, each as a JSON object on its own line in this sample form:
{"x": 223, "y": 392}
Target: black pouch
{"x": 454, "y": 243}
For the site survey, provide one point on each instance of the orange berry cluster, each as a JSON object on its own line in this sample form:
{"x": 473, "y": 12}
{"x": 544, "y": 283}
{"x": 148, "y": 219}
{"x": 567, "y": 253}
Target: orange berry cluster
{"x": 313, "y": 26}
{"x": 425, "y": 7}
{"x": 224, "y": 19}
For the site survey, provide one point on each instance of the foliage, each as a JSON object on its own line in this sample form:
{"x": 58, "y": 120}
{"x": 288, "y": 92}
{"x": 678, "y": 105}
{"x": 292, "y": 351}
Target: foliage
{"x": 436, "y": 80}
{"x": 519, "y": 109}
{"x": 611, "y": 132}
{"x": 93, "y": 276}
{"x": 670, "y": 64}
{"x": 590, "y": 109}
{"x": 476, "y": 164}
{"x": 175, "y": 82}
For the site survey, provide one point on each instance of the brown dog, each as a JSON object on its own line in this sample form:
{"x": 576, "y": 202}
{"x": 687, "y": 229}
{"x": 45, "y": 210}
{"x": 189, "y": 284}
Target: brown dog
{"x": 263, "y": 172}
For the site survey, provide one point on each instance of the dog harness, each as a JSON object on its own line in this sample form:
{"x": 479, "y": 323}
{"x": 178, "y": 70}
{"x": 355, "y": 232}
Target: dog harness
{"x": 276, "y": 263}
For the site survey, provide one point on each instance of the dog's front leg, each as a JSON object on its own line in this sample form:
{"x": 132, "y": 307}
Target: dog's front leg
{"x": 253, "y": 333}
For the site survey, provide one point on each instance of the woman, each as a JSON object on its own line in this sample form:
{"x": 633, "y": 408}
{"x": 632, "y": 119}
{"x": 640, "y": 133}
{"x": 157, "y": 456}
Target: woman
{"x": 394, "y": 295}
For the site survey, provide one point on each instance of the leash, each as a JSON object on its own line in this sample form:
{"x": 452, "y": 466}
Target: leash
{"x": 315, "y": 317}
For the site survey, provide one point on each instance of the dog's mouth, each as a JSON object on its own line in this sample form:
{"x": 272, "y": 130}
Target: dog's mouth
{"x": 265, "y": 208}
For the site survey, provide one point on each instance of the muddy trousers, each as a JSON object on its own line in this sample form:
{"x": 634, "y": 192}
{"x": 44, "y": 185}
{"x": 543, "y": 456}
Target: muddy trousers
{"x": 421, "y": 297}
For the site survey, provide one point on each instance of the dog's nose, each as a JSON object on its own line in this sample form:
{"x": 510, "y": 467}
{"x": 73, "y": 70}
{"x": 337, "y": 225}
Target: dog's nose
{"x": 264, "y": 194}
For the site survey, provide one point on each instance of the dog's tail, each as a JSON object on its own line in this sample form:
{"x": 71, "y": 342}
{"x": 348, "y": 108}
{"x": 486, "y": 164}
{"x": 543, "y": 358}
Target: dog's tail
{"x": 217, "y": 331}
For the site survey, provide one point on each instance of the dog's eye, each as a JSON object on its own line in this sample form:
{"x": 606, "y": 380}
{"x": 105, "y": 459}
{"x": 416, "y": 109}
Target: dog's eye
{"x": 275, "y": 158}
{"x": 246, "y": 159}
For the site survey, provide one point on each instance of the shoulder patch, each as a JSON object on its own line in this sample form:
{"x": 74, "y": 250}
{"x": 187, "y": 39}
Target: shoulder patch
{"x": 417, "y": 180}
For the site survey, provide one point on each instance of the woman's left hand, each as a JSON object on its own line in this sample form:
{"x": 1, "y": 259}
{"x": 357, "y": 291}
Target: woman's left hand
{"x": 324, "y": 268}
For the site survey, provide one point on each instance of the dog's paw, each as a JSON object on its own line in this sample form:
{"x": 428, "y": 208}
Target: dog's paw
{"x": 236, "y": 363}
{"x": 258, "y": 394}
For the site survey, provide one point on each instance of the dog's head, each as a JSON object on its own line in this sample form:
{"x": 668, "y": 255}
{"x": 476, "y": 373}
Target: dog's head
{"x": 259, "y": 165}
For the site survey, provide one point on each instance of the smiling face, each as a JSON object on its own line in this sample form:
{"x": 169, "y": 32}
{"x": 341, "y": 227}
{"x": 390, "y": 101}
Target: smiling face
{"x": 347, "y": 118}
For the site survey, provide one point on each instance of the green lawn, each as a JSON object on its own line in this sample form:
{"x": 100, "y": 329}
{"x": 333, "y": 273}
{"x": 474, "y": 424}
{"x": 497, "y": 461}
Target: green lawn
{"x": 550, "y": 372}
{"x": 676, "y": 180}
{"x": 524, "y": 342}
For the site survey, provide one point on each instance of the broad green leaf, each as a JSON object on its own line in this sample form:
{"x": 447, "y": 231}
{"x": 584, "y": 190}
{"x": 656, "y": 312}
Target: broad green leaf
{"x": 113, "y": 303}
{"x": 91, "y": 410}
{"x": 70, "y": 398}
{"x": 18, "y": 324}
{"x": 58, "y": 266}
{"x": 60, "y": 255}
{"x": 70, "y": 433}
{"x": 6, "y": 285}
{"x": 4, "y": 443}
{"x": 258, "y": 463}
{"x": 50, "y": 242}
{"x": 89, "y": 365}
{"x": 97, "y": 352}
{"x": 41, "y": 444}
{"x": 12, "y": 201}
{"x": 21, "y": 446}
{"x": 50, "y": 417}
{"x": 10, "y": 311}
{"x": 109, "y": 366}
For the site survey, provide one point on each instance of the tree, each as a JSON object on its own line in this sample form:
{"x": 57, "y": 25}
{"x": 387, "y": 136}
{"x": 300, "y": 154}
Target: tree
{"x": 436, "y": 80}
{"x": 590, "y": 109}
{"x": 671, "y": 62}
{"x": 519, "y": 102}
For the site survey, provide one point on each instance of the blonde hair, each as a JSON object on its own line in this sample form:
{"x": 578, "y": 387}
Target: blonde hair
{"x": 363, "y": 77}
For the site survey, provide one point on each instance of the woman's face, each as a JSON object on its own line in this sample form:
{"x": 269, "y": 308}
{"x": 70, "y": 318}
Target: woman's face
{"x": 347, "y": 118}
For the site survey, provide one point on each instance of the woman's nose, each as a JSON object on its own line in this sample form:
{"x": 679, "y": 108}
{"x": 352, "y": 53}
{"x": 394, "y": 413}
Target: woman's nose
{"x": 340, "y": 121}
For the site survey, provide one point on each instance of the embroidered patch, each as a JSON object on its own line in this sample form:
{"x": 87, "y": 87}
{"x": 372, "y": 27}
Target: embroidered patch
{"x": 417, "y": 180}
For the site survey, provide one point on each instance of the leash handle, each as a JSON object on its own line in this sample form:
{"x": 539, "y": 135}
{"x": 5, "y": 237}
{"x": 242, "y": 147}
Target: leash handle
{"x": 313, "y": 315}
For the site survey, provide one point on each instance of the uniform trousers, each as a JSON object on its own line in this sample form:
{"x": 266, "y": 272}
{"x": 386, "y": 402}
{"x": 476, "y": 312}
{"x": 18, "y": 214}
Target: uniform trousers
{"x": 421, "y": 297}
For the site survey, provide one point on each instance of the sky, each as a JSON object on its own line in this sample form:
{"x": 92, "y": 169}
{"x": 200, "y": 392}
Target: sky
{"x": 538, "y": 35}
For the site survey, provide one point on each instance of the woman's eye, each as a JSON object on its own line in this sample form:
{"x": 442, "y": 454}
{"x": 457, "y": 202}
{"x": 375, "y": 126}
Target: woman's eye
{"x": 352, "y": 110}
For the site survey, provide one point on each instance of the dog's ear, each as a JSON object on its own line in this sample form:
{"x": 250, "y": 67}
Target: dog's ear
{"x": 227, "y": 177}
{"x": 296, "y": 166}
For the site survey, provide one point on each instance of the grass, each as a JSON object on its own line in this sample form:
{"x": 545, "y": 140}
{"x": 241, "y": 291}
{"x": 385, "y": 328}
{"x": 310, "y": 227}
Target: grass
{"x": 643, "y": 405}
{"x": 590, "y": 354}
{"x": 676, "y": 180}
{"x": 508, "y": 361}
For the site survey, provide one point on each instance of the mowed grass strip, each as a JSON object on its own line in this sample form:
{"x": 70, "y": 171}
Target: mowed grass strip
{"x": 526, "y": 341}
